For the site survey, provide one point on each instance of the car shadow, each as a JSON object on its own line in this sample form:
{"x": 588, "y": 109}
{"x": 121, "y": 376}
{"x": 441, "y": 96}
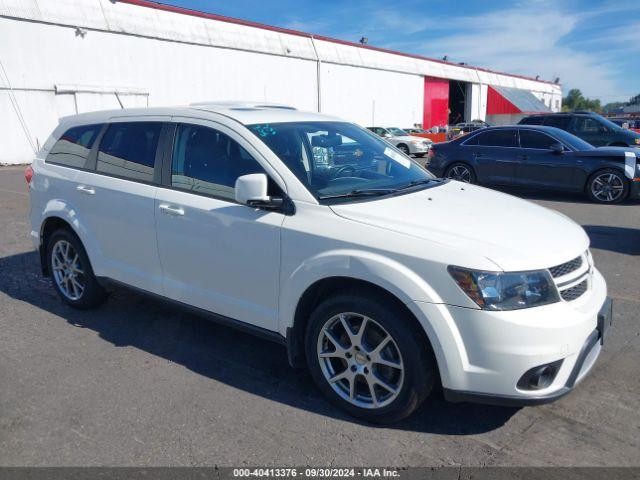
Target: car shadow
{"x": 221, "y": 353}
{"x": 528, "y": 193}
{"x": 615, "y": 239}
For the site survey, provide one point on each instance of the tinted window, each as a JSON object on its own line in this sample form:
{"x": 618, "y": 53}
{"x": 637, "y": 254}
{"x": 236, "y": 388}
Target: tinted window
{"x": 561, "y": 121}
{"x": 129, "y": 149}
{"x": 537, "y": 120}
{"x": 587, "y": 125}
{"x": 497, "y": 138}
{"x": 531, "y": 139}
{"x": 72, "y": 149}
{"x": 209, "y": 162}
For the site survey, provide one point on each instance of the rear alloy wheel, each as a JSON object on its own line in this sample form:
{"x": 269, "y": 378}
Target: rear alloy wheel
{"x": 461, "y": 173}
{"x": 608, "y": 186}
{"x": 71, "y": 271}
{"x": 404, "y": 149}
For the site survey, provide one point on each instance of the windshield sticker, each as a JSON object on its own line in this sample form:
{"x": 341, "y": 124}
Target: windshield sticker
{"x": 401, "y": 159}
{"x": 629, "y": 164}
{"x": 264, "y": 130}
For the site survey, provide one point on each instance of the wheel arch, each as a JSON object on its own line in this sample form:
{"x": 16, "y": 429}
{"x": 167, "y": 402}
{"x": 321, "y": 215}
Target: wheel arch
{"x": 49, "y": 226}
{"x": 326, "y": 287}
{"x": 600, "y": 169}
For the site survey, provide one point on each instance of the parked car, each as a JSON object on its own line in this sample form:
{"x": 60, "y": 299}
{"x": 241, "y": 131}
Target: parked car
{"x": 589, "y": 126}
{"x": 434, "y": 135}
{"x": 380, "y": 278}
{"x": 403, "y": 141}
{"x": 628, "y": 123}
{"x": 540, "y": 157}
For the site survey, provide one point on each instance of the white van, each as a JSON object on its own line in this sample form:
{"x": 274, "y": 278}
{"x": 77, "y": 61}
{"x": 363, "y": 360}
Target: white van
{"x": 317, "y": 234}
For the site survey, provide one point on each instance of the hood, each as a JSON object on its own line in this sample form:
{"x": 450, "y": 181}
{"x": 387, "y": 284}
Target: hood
{"x": 512, "y": 233}
{"x": 610, "y": 152}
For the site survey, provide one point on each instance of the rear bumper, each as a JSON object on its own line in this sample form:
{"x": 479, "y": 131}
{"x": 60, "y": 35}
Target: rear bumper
{"x": 584, "y": 363}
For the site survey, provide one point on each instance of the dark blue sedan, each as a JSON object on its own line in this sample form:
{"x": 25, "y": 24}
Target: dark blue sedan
{"x": 539, "y": 157}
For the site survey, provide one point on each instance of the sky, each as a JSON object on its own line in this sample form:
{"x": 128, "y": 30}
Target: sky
{"x": 593, "y": 45}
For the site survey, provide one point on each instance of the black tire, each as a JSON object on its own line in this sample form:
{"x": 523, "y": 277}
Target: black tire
{"x": 404, "y": 149}
{"x": 453, "y": 169}
{"x": 417, "y": 358}
{"x": 618, "y": 178}
{"x": 93, "y": 293}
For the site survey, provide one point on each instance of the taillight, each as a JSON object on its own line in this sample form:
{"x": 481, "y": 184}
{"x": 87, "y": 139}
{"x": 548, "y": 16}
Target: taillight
{"x": 28, "y": 174}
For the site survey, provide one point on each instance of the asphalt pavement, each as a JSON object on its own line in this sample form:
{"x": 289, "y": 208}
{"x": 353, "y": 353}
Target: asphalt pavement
{"x": 141, "y": 383}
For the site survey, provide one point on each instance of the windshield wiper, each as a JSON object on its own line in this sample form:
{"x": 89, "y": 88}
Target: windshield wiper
{"x": 422, "y": 181}
{"x": 362, "y": 193}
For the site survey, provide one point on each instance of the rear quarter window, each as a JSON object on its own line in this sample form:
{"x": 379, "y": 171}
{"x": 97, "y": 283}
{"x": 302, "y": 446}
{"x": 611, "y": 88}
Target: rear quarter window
{"x": 535, "y": 120}
{"x": 561, "y": 122}
{"x": 73, "y": 147}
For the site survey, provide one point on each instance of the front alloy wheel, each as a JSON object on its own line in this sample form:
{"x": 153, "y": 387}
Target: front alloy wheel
{"x": 360, "y": 360}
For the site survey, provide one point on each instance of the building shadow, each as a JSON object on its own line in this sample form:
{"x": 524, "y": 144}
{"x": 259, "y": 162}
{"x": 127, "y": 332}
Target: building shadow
{"x": 221, "y": 353}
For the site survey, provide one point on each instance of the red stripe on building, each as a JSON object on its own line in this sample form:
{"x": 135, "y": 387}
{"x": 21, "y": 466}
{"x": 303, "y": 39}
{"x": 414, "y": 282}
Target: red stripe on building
{"x": 498, "y": 105}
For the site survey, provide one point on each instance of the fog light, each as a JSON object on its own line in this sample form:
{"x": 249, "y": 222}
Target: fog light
{"x": 539, "y": 377}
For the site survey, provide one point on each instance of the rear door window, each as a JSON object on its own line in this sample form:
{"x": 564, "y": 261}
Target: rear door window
{"x": 587, "y": 125}
{"x": 535, "y": 120}
{"x": 128, "y": 150}
{"x": 562, "y": 122}
{"x": 497, "y": 138}
{"x": 74, "y": 146}
{"x": 532, "y": 139}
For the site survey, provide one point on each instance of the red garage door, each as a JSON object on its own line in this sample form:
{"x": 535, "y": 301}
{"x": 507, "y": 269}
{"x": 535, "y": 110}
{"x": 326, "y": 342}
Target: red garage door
{"x": 436, "y": 102}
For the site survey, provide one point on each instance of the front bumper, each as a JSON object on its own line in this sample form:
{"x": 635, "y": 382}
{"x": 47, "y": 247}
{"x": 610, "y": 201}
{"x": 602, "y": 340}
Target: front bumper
{"x": 482, "y": 355}
{"x": 585, "y": 361}
{"x": 634, "y": 189}
{"x": 420, "y": 148}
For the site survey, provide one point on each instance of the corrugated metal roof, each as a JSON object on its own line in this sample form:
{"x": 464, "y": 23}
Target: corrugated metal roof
{"x": 524, "y": 100}
{"x": 189, "y": 26}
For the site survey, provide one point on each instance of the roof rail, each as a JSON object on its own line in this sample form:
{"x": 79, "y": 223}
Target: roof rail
{"x": 240, "y": 104}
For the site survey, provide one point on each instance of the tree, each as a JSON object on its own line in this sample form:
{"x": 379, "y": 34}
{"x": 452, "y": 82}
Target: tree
{"x": 635, "y": 100}
{"x": 576, "y": 101}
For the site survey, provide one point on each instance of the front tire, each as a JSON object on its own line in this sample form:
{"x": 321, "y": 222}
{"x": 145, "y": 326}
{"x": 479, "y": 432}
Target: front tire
{"x": 608, "y": 186}
{"x": 404, "y": 149}
{"x": 71, "y": 271}
{"x": 461, "y": 172}
{"x": 367, "y": 357}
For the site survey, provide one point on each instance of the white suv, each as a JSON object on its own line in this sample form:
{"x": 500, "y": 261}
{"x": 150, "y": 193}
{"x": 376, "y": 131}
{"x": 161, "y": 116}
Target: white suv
{"x": 317, "y": 234}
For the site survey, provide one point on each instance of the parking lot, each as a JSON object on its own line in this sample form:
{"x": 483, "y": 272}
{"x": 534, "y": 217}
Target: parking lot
{"x": 140, "y": 383}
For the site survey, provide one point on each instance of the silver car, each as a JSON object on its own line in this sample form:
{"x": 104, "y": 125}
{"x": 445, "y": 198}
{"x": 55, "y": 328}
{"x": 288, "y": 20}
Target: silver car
{"x": 404, "y": 141}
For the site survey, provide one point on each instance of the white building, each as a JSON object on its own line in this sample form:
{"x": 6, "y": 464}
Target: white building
{"x": 60, "y": 57}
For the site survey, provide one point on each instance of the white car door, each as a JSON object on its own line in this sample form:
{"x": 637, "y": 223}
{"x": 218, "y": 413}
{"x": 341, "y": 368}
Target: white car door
{"x": 116, "y": 198}
{"x": 216, "y": 254}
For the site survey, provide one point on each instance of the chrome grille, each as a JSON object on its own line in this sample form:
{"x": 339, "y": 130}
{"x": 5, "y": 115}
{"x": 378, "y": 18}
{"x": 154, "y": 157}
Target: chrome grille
{"x": 566, "y": 268}
{"x": 574, "y": 292}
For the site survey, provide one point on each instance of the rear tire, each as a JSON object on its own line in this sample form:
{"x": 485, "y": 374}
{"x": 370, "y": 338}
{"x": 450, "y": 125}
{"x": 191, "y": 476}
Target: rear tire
{"x": 384, "y": 372}
{"x": 461, "y": 172}
{"x": 71, "y": 271}
{"x": 608, "y": 186}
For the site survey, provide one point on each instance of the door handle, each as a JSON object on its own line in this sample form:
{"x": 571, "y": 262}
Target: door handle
{"x": 169, "y": 210}
{"x": 86, "y": 190}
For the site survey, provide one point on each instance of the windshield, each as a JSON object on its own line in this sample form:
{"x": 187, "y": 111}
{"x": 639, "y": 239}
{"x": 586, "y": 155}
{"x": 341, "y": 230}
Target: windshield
{"x": 397, "y": 132}
{"x": 339, "y": 159}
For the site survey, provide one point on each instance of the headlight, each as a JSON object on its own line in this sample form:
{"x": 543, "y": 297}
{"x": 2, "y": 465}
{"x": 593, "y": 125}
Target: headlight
{"x": 506, "y": 291}
{"x": 416, "y": 142}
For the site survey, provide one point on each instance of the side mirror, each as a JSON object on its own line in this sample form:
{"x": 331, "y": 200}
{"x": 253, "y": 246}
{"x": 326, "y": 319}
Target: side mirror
{"x": 251, "y": 190}
{"x": 557, "y": 148}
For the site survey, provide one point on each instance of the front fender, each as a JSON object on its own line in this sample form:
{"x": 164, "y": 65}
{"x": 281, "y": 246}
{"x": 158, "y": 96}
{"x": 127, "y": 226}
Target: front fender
{"x": 394, "y": 277}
